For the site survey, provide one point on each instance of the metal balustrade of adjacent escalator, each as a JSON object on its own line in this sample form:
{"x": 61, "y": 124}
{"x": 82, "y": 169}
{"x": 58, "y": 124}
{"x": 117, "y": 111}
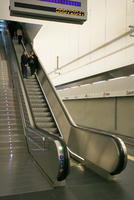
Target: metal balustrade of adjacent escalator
{"x": 48, "y": 150}
{"x": 11, "y": 129}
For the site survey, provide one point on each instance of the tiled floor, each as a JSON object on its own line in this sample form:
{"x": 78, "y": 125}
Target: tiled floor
{"x": 84, "y": 185}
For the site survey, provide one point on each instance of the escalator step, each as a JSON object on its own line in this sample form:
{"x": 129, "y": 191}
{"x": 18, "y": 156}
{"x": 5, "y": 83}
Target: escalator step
{"x": 40, "y": 110}
{"x": 46, "y": 124}
{"x": 38, "y": 105}
{"x": 37, "y": 100}
{"x": 43, "y": 119}
{"x": 51, "y": 130}
{"x": 42, "y": 114}
{"x": 34, "y": 97}
{"x": 9, "y": 120}
{"x": 12, "y": 131}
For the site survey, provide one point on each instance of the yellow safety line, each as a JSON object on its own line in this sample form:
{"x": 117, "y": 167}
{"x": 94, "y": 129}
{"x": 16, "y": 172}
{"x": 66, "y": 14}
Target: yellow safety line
{"x": 130, "y": 158}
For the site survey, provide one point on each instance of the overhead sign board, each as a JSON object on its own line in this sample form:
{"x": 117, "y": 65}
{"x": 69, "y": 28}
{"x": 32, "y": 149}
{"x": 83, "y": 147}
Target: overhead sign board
{"x": 73, "y": 11}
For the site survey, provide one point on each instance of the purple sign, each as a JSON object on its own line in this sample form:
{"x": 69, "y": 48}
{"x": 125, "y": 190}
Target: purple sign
{"x": 65, "y": 2}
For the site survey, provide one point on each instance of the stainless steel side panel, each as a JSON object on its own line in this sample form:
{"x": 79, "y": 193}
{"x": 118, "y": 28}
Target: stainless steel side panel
{"x": 99, "y": 148}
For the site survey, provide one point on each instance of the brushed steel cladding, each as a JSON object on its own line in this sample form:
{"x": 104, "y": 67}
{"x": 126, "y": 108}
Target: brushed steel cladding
{"x": 50, "y": 10}
{"x": 95, "y": 113}
{"x": 95, "y": 147}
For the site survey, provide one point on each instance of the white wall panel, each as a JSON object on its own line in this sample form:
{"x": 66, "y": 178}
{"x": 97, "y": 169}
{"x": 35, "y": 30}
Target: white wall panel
{"x": 116, "y": 15}
{"x": 97, "y": 26}
{"x": 57, "y": 40}
{"x": 130, "y": 12}
{"x": 114, "y": 61}
{"x": 84, "y": 34}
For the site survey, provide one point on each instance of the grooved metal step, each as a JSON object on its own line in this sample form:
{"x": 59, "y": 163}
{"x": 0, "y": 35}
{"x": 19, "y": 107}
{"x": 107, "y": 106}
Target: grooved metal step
{"x": 51, "y": 130}
{"x": 33, "y": 97}
{"x": 33, "y": 89}
{"x": 41, "y": 111}
{"x": 36, "y": 101}
{"x": 12, "y": 116}
{"x": 9, "y": 100}
{"x": 39, "y": 105}
{"x": 7, "y": 104}
{"x": 9, "y": 107}
{"x": 8, "y": 120}
{"x": 13, "y": 128}
{"x": 11, "y": 131}
{"x": 31, "y": 86}
{"x": 43, "y": 119}
{"x": 13, "y": 152}
{"x": 15, "y": 145}
{"x": 10, "y": 126}
{"x": 8, "y": 112}
{"x": 42, "y": 114}
{"x": 34, "y": 93}
{"x": 46, "y": 124}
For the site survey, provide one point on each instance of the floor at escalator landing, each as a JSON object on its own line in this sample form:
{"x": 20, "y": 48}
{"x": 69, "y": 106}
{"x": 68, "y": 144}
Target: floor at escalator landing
{"x": 84, "y": 184}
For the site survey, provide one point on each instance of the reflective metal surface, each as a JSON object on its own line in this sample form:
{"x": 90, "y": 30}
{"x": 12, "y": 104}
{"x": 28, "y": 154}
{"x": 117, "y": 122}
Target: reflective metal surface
{"x": 94, "y": 146}
{"x": 18, "y": 173}
{"x": 35, "y": 137}
{"x": 49, "y": 153}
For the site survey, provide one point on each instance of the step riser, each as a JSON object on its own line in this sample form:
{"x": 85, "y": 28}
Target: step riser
{"x": 43, "y": 119}
{"x": 40, "y": 110}
{"x": 10, "y": 121}
{"x": 44, "y": 124}
{"x": 12, "y": 132}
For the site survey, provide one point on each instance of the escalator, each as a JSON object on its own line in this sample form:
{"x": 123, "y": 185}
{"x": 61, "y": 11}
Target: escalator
{"x": 91, "y": 147}
{"x": 31, "y": 160}
{"x": 43, "y": 119}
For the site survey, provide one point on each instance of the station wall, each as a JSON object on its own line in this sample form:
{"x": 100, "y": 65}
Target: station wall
{"x": 113, "y": 114}
{"x": 107, "y": 19}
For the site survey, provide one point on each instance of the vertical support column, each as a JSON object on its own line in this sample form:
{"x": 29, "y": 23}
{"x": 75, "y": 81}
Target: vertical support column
{"x": 57, "y": 62}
